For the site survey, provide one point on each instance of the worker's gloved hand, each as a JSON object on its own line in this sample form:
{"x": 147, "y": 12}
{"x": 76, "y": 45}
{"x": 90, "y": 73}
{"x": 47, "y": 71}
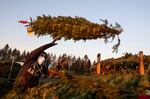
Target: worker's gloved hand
{"x": 53, "y": 43}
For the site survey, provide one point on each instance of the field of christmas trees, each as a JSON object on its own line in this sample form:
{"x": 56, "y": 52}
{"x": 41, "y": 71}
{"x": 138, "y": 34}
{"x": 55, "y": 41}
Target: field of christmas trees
{"x": 119, "y": 79}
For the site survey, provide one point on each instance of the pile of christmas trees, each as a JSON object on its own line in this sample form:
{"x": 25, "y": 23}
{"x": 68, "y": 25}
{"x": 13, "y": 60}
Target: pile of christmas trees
{"x": 75, "y": 87}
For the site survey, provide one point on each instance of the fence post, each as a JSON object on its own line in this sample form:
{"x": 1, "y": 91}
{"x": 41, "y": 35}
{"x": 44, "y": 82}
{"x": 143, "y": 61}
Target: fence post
{"x": 141, "y": 62}
{"x": 98, "y": 67}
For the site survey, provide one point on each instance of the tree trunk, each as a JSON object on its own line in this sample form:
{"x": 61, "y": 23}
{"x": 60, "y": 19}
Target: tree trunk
{"x": 11, "y": 67}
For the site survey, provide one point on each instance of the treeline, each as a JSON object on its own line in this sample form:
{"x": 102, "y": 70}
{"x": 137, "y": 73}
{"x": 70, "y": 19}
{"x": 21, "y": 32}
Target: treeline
{"x": 7, "y": 53}
{"x": 80, "y": 65}
{"x": 70, "y": 63}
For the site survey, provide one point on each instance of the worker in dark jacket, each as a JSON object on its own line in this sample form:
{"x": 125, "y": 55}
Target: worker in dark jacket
{"x": 32, "y": 68}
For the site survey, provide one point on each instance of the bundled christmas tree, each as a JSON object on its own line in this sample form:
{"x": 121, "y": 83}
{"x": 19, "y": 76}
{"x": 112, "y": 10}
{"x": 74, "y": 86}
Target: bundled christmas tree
{"x": 75, "y": 28}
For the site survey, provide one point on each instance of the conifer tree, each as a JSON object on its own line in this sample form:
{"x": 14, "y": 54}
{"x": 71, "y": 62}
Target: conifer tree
{"x": 73, "y": 28}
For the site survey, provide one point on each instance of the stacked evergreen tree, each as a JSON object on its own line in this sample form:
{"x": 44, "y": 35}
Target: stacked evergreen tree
{"x": 75, "y": 28}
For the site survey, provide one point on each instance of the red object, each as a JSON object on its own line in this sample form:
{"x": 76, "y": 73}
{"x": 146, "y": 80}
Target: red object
{"x": 143, "y": 97}
{"x": 23, "y": 21}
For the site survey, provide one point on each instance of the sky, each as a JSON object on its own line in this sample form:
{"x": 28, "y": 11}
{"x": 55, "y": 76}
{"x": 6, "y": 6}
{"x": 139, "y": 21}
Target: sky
{"x": 132, "y": 15}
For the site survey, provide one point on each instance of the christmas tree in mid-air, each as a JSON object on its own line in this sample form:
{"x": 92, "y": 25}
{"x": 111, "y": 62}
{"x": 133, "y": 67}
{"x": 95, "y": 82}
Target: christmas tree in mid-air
{"x": 75, "y": 28}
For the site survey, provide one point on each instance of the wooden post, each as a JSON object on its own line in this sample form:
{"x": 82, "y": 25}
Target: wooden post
{"x": 11, "y": 67}
{"x": 141, "y": 62}
{"x": 98, "y": 64}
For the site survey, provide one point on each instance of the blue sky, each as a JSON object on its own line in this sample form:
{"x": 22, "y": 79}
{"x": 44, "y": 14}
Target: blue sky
{"x": 133, "y": 15}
